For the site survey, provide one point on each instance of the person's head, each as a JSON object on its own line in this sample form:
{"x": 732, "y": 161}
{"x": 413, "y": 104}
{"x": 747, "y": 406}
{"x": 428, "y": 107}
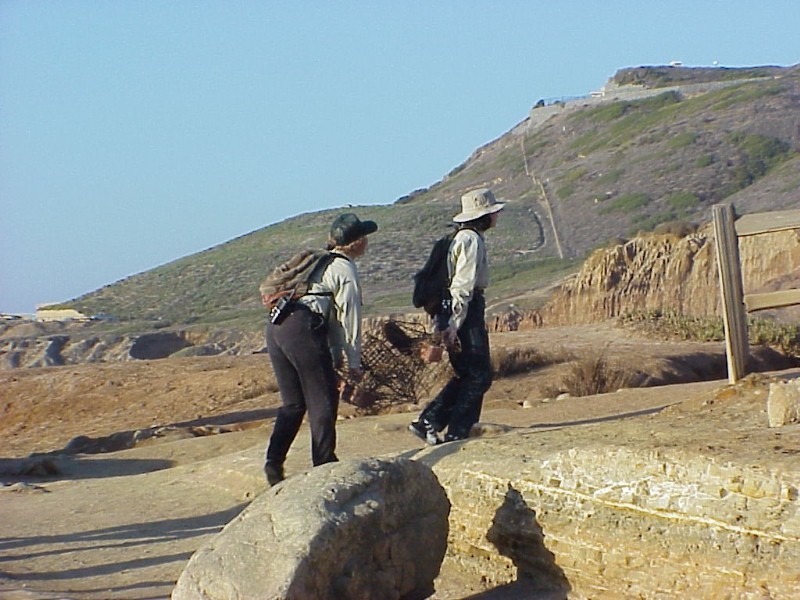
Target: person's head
{"x": 479, "y": 210}
{"x": 349, "y": 234}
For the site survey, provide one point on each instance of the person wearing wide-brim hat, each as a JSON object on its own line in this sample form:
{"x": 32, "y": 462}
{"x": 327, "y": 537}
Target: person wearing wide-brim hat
{"x": 322, "y": 327}
{"x": 457, "y": 407}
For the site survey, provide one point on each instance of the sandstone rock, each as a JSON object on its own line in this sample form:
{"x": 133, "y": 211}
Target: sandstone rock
{"x": 605, "y": 522}
{"x": 783, "y": 403}
{"x": 665, "y": 272}
{"x": 365, "y": 528}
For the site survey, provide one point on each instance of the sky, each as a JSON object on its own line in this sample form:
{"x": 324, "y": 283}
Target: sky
{"x": 136, "y": 132}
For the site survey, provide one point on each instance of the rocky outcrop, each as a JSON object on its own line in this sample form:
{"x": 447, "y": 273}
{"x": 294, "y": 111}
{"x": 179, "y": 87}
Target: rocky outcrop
{"x": 667, "y": 273}
{"x": 627, "y": 526}
{"x": 370, "y": 528}
{"x": 607, "y": 512}
{"x": 74, "y": 347}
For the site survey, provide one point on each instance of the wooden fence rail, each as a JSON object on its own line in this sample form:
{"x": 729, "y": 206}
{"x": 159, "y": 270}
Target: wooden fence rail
{"x": 735, "y": 303}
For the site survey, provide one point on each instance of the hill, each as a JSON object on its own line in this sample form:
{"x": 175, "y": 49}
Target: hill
{"x": 657, "y": 145}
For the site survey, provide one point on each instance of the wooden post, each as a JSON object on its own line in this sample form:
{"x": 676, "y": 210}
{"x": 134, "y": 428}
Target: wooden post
{"x": 734, "y": 315}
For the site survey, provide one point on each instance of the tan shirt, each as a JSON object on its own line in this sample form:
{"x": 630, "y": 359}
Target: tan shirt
{"x": 342, "y": 309}
{"x": 468, "y": 266}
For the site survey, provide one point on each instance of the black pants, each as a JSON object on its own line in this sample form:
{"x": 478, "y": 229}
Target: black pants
{"x": 458, "y": 405}
{"x": 301, "y": 359}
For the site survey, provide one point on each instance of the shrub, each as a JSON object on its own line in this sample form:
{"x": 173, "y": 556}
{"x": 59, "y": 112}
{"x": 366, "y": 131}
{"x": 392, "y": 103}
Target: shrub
{"x": 565, "y": 192}
{"x": 650, "y": 223}
{"x": 676, "y": 228}
{"x": 610, "y": 112}
{"x": 686, "y": 138}
{"x": 594, "y": 374}
{"x": 704, "y": 161}
{"x": 671, "y": 324}
{"x": 626, "y": 203}
{"x": 661, "y": 101}
{"x": 785, "y": 338}
{"x": 610, "y": 177}
{"x": 574, "y": 174}
{"x": 761, "y": 154}
{"x": 682, "y": 200}
{"x": 506, "y": 363}
{"x": 457, "y": 169}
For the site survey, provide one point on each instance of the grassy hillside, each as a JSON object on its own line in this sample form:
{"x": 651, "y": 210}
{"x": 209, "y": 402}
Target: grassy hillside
{"x": 593, "y": 170}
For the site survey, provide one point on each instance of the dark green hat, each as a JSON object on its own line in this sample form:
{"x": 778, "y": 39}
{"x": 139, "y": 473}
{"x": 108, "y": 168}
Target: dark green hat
{"x": 347, "y": 228}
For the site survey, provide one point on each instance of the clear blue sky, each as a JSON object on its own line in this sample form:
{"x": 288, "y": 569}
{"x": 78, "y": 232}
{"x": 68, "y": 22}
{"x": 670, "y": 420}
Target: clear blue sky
{"x": 136, "y": 132}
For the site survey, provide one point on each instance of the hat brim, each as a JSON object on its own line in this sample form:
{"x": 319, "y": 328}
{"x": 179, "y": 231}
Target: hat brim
{"x": 465, "y": 217}
{"x": 367, "y": 227}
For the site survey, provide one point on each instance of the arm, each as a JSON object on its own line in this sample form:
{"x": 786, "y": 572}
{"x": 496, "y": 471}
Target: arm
{"x": 464, "y": 254}
{"x": 345, "y": 315}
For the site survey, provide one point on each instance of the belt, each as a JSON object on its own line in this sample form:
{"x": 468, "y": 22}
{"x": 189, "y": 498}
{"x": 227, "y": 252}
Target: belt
{"x": 305, "y": 307}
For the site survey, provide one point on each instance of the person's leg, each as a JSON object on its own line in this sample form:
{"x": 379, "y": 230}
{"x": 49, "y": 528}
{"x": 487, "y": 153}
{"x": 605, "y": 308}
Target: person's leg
{"x": 293, "y": 406}
{"x": 438, "y": 411}
{"x": 313, "y": 363}
{"x": 474, "y": 370}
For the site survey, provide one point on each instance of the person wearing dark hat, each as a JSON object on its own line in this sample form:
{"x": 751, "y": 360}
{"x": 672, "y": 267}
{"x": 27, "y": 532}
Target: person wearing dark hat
{"x": 457, "y": 407}
{"x": 322, "y": 329}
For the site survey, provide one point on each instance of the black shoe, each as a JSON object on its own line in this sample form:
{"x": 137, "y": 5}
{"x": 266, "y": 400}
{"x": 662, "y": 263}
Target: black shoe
{"x": 425, "y": 431}
{"x": 453, "y": 438}
{"x": 274, "y": 473}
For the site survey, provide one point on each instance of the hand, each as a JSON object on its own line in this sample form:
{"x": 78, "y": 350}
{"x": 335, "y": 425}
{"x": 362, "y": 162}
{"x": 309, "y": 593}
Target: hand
{"x": 345, "y": 390}
{"x": 450, "y": 336}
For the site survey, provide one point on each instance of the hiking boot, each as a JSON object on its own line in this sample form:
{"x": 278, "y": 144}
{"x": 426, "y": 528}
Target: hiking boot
{"x": 423, "y": 429}
{"x": 274, "y": 473}
{"x": 450, "y": 437}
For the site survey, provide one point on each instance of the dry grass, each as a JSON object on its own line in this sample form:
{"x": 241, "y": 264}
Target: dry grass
{"x": 594, "y": 374}
{"x": 516, "y": 361}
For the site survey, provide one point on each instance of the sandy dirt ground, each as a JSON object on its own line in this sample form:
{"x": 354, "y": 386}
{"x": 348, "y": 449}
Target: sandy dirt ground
{"x": 121, "y": 524}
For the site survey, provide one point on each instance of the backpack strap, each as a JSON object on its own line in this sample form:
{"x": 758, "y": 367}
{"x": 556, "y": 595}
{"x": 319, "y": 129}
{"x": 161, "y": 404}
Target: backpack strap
{"x": 323, "y": 264}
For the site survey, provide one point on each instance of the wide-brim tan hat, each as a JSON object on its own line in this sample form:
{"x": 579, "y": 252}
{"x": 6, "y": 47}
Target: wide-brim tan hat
{"x": 476, "y": 204}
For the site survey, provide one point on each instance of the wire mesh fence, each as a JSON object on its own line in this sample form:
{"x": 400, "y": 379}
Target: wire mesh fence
{"x": 394, "y": 370}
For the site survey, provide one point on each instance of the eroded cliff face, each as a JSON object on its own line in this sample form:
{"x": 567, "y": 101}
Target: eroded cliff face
{"x": 665, "y": 272}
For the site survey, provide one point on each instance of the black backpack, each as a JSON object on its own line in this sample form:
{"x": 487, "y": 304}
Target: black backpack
{"x": 432, "y": 281}
{"x": 291, "y": 277}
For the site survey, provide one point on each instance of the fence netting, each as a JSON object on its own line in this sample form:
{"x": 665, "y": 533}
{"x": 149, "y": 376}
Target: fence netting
{"x": 394, "y": 371}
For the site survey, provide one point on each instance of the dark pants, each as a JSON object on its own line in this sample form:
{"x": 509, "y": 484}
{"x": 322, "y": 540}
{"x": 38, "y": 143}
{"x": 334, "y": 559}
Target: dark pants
{"x": 301, "y": 359}
{"x": 458, "y": 405}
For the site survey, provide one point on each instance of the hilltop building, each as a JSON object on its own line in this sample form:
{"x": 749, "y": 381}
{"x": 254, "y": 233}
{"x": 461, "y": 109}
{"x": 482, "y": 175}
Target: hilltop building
{"x": 45, "y": 313}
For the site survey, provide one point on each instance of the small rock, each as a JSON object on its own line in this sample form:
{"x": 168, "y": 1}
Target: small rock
{"x": 21, "y": 487}
{"x": 783, "y": 403}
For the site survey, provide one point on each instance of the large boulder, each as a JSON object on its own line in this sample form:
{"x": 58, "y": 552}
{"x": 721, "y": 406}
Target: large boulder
{"x": 358, "y": 529}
